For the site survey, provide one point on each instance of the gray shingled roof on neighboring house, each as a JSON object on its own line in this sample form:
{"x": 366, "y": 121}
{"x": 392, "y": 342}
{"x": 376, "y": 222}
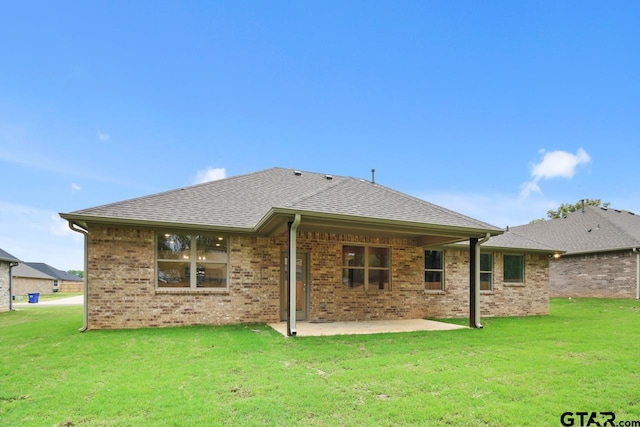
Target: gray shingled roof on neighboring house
{"x": 6, "y": 256}
{"x": 54, "y": 272}
{"x": 24, "y": 270}
{"x": 248, "y": 202}
{"x": 593, "y": 230}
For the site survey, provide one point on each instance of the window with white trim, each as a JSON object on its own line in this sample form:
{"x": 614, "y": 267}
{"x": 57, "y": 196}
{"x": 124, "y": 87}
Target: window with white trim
{"x": 366, "y": 267}
{"x": 486, "y": 272}
{"x": 191, "y": 261}
{"x": 434, "y": 270}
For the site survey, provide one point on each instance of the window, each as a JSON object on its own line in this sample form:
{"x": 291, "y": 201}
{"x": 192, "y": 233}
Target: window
{"x": 514, "y": 268}
{"x": 191, "y": 261}
{"x": 365, "y": 267}
{"x": 486, "y": 272}
{"x": 433, "y": 270}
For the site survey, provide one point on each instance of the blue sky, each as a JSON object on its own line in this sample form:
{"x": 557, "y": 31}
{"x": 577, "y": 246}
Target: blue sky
{"x": 500, "y": 110}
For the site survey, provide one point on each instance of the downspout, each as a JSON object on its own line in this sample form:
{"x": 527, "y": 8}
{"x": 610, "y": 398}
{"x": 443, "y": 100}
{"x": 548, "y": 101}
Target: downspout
{"x": 11, "y": 265}
{"x": 293, "y": 256}
{"x": 637, "y": 252}
{"x": 85, "y": 322}
{"x": 475, "y": 322}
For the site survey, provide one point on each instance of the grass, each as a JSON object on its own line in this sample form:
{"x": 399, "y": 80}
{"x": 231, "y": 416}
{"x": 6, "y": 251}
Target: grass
{"x": 585, "y": 356}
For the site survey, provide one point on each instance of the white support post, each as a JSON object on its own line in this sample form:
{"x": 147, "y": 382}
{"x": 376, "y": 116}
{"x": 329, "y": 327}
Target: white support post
{"x": 292, "y": 260}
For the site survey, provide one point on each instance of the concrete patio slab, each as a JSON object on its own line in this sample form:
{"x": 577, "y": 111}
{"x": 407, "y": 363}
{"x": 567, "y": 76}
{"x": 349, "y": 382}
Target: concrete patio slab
{"x": 313, "y": 329}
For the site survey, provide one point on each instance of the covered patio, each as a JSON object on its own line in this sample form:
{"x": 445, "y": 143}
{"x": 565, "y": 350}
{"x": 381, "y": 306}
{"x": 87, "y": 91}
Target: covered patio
{"x": 315, "y": 329}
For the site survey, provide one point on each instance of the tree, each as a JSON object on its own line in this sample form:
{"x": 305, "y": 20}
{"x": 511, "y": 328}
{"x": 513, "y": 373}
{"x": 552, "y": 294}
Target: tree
{"x": 565, "y": 208}
{"x": 78, "y": 273}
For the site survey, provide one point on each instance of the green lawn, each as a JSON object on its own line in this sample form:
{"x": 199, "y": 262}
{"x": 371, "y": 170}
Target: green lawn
{"x": 585, "y": 356}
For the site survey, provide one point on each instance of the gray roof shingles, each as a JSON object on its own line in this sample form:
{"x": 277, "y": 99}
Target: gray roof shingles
{"x": 6, "y": 256}
{"x": 513, "y": 240}
{"x": 243, "y": 201}
{"x": 25, "y": 270}
{"x": 593, "y": 230}
{"x": 53, "y": 272}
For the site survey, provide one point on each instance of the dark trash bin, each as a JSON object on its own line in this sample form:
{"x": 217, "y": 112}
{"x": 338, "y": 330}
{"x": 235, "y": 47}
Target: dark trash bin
{"x": 33, "y": 298}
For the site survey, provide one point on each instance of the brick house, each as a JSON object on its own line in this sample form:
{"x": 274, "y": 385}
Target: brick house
{"x": 31, "y": 277}
{"x": 7, "y": 263}
{"x": 602, "y": 252}
{"x": 216, "y": 253}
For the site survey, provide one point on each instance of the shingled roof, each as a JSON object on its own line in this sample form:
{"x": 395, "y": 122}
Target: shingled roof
{"x": 512, "y": 240}
{"x": 53, "y": 272}
{"x": 593, "y": 229}
{"x": 25, "y": 270}
{"x": 248, "y": 203}
{"x": 6, "y": 256}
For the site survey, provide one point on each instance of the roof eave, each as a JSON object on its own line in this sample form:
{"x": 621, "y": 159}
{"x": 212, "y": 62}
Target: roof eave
{"x": 85, "y": 220}
{"x": 527, "y": 250}
{"x": 273, "y": 220}
{"x": 595, "y": 251}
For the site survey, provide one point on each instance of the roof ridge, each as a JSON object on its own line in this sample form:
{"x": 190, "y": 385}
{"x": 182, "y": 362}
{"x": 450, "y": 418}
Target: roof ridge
{"x": 530, "y": 239}
{"x": 311, "y": 194}
{"x": 618, "y": 228}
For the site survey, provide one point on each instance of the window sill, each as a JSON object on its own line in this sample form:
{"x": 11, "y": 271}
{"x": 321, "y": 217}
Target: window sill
{"x": 434, "y": 292}
{"x": 486, "y": 292}
{"x": 188, "y": 291}
{"x": 513, "y": 285}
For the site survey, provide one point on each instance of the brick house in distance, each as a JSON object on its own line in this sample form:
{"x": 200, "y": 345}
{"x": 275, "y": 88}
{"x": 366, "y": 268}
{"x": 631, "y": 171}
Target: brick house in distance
{"x": 31, "y": 277}
{"x": 602, "y": 252}
{"x": 217, "y": 253}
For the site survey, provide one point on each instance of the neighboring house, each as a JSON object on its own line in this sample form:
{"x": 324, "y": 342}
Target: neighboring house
{"x": 216, "y": 253}
{"x": 62, "y": 280}
{"x": 38, "y": 277}
{"x": 602, "y": 256}
{"x": 7, "y": 263}
{"x": 27, "y": 279}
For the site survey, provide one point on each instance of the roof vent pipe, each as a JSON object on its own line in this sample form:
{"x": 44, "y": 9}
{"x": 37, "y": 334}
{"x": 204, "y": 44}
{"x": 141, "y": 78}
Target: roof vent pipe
{"x": 373, "y": 176}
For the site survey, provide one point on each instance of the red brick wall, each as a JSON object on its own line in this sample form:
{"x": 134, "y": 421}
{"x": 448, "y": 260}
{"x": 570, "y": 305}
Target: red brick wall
{"x": 122, "y": 294}
{"x": 601, "y": 275}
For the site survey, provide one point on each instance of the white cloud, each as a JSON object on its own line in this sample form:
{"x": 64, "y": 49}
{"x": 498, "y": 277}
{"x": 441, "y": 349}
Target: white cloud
{"x": 102, "y": 136}
{"x": 75, "y": 187}
{"x": 210, "y": 174}
{"x": 554, "y": 164}
{"x": 38, "y": 235}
